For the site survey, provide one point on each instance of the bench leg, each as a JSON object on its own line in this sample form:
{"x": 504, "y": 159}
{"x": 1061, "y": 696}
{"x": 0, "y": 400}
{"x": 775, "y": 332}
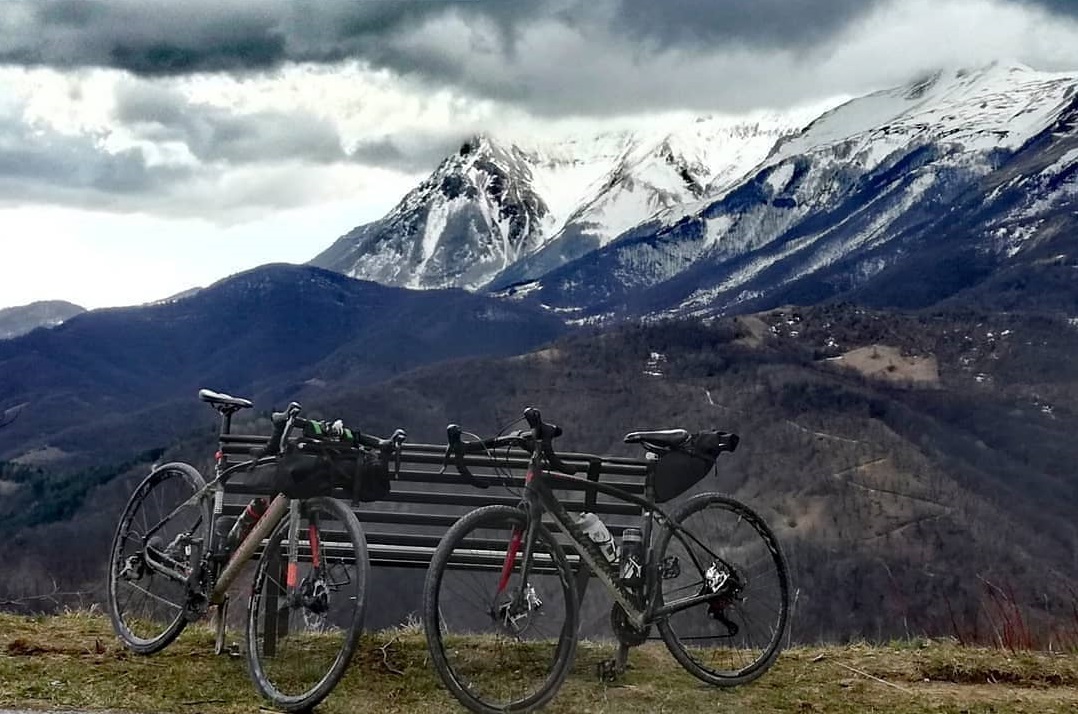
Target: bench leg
{"x": 583, "y": 577}
{"x": 272, "y": 622}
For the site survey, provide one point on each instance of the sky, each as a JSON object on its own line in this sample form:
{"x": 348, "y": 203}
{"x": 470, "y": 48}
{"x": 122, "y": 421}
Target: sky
{"x": 148, "y": 147}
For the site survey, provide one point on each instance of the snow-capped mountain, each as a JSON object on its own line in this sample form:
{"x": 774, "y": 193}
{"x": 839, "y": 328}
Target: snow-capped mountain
{"x": 499, "y": 212}
{"x": 656, "y": 171}
{"x": 965, "y": 166}
{"x": 476, "y": 214}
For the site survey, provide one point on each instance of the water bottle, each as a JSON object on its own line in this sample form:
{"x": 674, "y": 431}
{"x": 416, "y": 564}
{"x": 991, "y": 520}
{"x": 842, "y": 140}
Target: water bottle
{"x": 221, "y": 528}
{"x": 632, "y": 557}
{"x": 246, "y": 522}
{"x": 597, "y": 531}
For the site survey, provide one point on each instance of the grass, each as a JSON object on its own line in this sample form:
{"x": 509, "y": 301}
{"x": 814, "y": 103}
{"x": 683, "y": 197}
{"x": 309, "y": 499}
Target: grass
{"x": 74, "y": 660}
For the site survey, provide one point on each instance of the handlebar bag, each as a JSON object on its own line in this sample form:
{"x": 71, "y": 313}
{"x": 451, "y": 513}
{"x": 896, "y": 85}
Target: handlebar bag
{"x": 301, "y": 474}
{"x": 321, "y": 467}
{"x": 680, "y": 469}
{"x": 370, "y": 478}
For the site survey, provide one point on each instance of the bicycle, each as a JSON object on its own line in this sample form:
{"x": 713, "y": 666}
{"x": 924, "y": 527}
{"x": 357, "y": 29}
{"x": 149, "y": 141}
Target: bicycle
{"x": 503, "y": 640}
{"x": 174, "y": 554}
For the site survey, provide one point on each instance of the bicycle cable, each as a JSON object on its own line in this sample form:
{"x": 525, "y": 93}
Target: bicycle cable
{"x": 504, "y": 472}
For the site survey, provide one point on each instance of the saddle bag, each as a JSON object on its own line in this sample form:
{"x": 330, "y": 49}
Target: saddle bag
{"x": 680, "y": 469}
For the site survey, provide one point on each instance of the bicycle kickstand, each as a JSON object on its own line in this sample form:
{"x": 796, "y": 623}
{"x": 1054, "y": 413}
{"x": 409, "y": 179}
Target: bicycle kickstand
{"x": 611, "y": 669}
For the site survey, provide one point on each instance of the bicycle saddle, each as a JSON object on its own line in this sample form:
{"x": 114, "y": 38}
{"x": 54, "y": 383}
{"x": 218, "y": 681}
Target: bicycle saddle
{"x": 666, "y": 438}
{"x": 223, "y": 401}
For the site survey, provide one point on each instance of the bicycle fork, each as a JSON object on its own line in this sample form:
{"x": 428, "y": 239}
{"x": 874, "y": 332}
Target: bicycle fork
{"x": 525, "y": 599}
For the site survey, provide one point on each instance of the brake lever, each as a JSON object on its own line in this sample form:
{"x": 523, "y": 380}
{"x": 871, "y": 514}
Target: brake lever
{"x": 282, "y": 424}
{"x": 398, "y": 442}
{"x": 455, "y": 448}
{"x": 452, "y": 434}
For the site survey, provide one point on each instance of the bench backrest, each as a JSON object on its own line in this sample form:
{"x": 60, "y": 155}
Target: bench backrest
{"x": 403, "y": 529}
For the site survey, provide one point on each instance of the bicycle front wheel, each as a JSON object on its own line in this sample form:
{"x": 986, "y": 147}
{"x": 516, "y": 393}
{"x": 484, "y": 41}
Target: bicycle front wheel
{"x": 500, "y": 643}
{"x": 306, "y": 614}
{"x": 727, "y": 561}
{"x": 160, "y": 526}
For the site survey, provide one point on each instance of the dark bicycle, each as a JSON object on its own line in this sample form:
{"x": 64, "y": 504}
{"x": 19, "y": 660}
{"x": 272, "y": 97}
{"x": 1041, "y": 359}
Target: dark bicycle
{"x": 175, "y": 555}
{"x": 711, "y": 578}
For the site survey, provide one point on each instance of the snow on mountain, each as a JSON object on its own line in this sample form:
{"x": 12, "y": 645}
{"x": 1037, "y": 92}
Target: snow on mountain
{"x": 476, "y": 214}
{"x": 16, "y": 321}
{"x": 504, "y": 212}
{"x": 658, "y": 171}
{"x": 854, "y": 190}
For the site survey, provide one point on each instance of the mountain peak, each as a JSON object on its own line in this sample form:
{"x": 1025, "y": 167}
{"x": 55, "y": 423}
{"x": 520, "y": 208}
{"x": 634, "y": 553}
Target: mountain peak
{"x": 477, "y": 143}
{"x": 494, "y": 203}
{"x": 16, "y": 321}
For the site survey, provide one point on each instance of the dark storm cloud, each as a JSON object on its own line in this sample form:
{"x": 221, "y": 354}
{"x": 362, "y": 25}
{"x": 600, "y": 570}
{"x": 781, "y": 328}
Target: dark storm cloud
{"x": 758, "y": 23}
{"x": 549, "y": 57}
{"x": 1063, "y": 7}
{"x": 214, "y": 133}
{"x": 37, "y": 163}
{"x": 152, "y": 38}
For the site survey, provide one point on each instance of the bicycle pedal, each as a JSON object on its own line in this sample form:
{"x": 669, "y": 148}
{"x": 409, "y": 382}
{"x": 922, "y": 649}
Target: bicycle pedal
{"x": 608, "y": 670}
{"x": 670, "y": 568}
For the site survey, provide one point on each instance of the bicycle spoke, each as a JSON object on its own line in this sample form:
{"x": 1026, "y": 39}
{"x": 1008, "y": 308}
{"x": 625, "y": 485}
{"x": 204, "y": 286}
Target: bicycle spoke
{"x": 733, "y": 636}
{"x": 152, "y": 596}
{"x": 301, "y": 637}
{"x": 147, "y": 609}
{"x": 479, "y": 634}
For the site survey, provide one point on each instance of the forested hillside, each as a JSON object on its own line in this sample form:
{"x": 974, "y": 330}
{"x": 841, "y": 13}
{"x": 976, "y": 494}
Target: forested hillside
{"x": 914, "y": 466}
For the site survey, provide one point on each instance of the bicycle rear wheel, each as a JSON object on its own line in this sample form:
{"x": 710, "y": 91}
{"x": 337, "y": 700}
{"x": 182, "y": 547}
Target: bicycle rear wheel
{"x": 499, "y": 644}
{"x": 148, "y": 608}
{"x": 305, "y": 619}
{"x": 728, "y": 551}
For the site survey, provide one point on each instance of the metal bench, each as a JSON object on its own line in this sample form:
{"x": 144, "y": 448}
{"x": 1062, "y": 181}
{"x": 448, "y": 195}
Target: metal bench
{"x": 404, "y": 529}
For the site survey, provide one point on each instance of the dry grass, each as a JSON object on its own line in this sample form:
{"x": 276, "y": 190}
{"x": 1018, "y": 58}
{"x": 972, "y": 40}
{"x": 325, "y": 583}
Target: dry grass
{"x": 888, "y": 363}
{"x": 75, "y": 661}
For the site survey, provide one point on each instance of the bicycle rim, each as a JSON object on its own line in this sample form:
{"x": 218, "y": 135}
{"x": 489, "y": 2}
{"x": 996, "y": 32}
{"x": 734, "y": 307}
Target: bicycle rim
{"x": 728, "y": 551}
{"x": 304, "y": 622}
{"x": 147, "y": 608}
{"x": 499, "y": 650}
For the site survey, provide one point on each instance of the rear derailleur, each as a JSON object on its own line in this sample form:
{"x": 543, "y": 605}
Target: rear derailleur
{"x": 722, "y": 581}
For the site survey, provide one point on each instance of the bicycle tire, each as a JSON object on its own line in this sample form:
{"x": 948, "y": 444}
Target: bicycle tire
{"x": 498, "y": 518}
{"x": 767, "y": 552}
{"x": 269, "y": 669}
{"x": 190, "y": 481}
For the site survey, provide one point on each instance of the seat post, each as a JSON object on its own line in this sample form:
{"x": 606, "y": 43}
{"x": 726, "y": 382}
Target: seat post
{"x": 226, "y": 418}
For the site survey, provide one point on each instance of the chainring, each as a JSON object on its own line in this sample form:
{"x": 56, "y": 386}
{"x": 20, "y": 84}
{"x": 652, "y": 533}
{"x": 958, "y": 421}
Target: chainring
{"x": 624, "y": 630}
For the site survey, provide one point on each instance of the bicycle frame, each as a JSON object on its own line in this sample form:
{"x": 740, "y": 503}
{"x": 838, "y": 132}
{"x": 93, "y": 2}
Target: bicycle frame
{"x": 222, "y": 580}
{"x": 539, "y": 498}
